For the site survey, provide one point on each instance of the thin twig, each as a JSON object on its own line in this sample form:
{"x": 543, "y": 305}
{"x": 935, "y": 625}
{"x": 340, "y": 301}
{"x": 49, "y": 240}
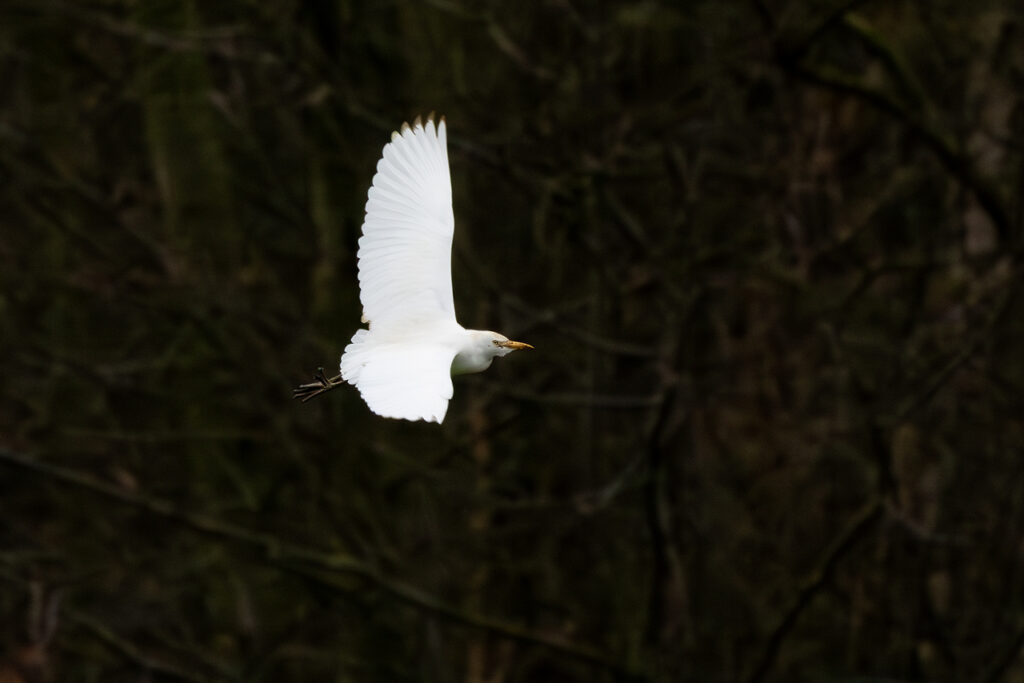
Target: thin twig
{"x": 814, "y": 582}
{"x": 933, "y": 384}
{"x": 1003, "y": 662}
{"x": 134, "y": 654}
{"x": 835, "y": 16}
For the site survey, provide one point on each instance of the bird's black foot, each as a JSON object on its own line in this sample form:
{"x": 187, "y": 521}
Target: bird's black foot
{"x": 304, "y": 392}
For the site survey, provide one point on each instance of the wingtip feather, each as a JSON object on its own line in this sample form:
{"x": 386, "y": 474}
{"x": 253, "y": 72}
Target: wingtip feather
{"x": 433, "y": 122}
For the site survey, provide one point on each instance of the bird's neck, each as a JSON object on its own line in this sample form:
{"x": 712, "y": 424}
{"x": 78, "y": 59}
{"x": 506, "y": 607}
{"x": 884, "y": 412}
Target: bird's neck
{"x": 475, "y": 355}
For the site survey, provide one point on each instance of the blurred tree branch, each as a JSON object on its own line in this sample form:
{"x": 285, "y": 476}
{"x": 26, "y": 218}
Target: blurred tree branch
{"x": 313, "y": 562}
{"x": 134, "y": 654}
{"x": 856, "y": 529}
{"x": 793, "y": 59}
{"x": 955, "y": 161}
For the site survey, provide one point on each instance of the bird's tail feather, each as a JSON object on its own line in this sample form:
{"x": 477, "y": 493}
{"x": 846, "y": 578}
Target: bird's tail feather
{"x": 355, "y": 356}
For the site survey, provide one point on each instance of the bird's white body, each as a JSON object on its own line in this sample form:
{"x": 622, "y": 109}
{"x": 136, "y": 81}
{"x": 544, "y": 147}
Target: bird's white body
{"x": 402, "y": 365}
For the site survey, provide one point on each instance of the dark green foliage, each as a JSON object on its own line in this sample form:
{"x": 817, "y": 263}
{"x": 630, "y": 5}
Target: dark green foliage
{"x": 769, "y": 254}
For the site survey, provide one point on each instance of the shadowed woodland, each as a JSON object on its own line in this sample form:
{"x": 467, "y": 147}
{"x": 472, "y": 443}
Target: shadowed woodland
{"x": 769, "y": 253}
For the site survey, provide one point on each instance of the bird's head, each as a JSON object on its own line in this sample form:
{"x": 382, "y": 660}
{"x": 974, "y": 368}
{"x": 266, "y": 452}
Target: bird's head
{"x": 503, "y": 345}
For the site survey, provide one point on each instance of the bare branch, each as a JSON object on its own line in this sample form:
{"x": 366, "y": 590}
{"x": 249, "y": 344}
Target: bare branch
{"x": 814, "y": 582}
{"x": 939, "y": 142}
{"x": 303, "y": 559}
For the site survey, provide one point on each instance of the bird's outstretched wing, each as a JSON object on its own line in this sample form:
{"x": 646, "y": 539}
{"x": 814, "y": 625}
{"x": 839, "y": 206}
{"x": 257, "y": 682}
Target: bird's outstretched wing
{"x": 410, "y": 380}
{"x": 405, "y": 251}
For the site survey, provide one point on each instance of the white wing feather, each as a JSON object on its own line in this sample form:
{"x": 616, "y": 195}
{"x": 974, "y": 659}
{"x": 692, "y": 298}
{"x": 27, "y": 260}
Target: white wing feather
{"x": 405, "y": 251}
{"x": 402, "y": 364}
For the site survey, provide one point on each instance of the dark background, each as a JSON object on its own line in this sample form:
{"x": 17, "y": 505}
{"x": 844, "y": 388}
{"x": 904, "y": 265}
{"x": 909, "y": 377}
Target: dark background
{"x": 769, "y": 253}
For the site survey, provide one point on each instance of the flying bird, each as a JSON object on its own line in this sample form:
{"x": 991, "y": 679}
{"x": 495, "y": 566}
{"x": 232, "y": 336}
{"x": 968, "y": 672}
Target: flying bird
{"x": 403, "y": 363}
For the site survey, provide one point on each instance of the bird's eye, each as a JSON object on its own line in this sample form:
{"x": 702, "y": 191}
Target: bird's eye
{"x": 496, "y": 342}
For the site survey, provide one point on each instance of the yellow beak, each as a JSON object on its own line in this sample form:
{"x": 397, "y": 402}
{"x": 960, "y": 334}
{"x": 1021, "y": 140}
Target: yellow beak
{"x": 514, "y": 345}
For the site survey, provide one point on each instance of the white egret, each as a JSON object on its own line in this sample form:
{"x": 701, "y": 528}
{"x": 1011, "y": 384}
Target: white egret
{"x": 403, "y": 364}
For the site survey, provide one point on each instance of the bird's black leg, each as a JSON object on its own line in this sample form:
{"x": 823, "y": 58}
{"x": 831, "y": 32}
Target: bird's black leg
{"x": 304, "y": 392}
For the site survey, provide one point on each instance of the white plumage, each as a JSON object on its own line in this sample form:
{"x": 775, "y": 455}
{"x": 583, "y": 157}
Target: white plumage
{"x": 405, "y": 251}
{"x": 402, "y": 365}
